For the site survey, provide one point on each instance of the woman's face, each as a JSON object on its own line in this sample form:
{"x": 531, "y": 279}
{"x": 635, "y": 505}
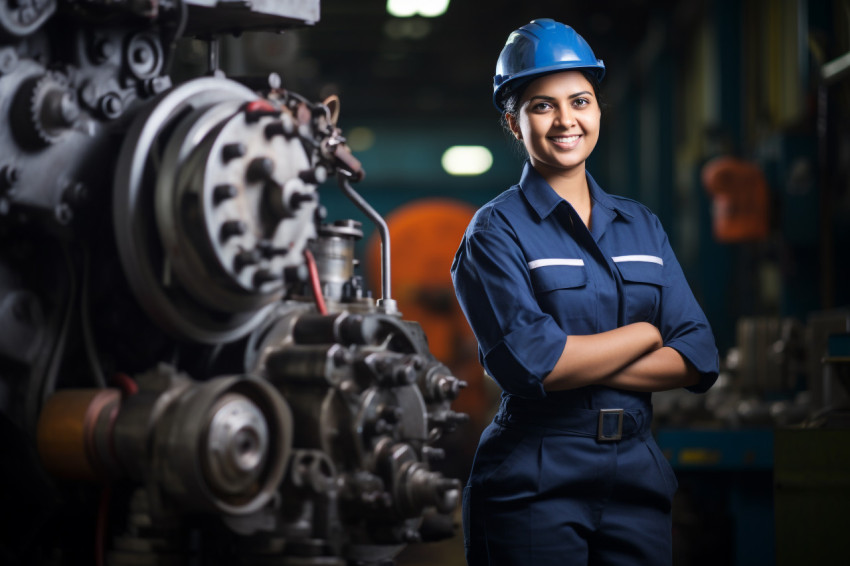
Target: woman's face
{"x": 558, "y": 122}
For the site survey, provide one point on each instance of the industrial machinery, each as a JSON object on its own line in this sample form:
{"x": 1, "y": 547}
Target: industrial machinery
{"x": 191, "y": 371}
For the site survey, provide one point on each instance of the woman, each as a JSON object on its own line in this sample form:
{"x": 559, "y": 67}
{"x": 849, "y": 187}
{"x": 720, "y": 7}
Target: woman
{"x": 581, "y": 311}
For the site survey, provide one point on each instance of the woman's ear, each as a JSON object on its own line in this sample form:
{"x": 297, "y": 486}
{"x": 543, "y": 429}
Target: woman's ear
{"x": 513, "y": 125}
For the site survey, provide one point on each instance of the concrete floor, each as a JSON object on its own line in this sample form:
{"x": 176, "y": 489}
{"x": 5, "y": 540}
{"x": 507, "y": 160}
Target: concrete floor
{"x": 448, "y": 552}
{"x": 445, "y": 553}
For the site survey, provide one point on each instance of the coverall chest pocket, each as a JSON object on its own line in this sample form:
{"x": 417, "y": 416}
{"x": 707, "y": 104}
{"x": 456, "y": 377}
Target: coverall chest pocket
{"x": 561, "y": 291}
{"x": 643, "y": 283}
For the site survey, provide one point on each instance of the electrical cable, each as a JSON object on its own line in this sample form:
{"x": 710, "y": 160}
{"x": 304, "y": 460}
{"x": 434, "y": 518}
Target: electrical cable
{"x": 315, "y": 284}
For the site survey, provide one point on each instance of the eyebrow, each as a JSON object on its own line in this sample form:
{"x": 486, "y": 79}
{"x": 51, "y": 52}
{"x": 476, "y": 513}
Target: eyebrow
{"x": 545, "y": 97}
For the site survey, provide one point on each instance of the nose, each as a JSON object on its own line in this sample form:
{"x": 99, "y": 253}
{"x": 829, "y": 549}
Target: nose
{"x": 565, "y": 117}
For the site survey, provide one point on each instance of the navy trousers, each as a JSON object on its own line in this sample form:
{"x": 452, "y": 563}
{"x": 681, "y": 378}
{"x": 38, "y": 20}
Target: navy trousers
{"x": 544, "y": 491}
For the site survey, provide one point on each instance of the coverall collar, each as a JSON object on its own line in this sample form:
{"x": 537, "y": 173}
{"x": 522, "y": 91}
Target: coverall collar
{"x": 543, "y": 198}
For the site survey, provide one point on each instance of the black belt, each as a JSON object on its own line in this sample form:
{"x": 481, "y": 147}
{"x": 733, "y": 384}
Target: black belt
{"x": 606, "y": 425}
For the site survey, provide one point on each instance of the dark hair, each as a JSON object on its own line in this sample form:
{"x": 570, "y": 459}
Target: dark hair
{"x": 510, "y": 99}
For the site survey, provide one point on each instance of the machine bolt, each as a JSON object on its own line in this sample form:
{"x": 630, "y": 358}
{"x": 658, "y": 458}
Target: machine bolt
{"x": 233, "y": 151}
{"x": 9, "y": 176}
{"x": 404, "y": 375}
{"x": 274, "y": 129}
{"x": 297, "y": 199}
{"x": 381, "y": 366}
{"x": 245, "y": 258}
{"x": 447, "y": 386}
{"x": 111, "y": 105}
{"x": 63, "y": 213}
{"x": 142, "y": 55}
{"x": 417, "y": 362}
{"x": 268, "y": 250}
{"x": 260, "y": 169}
{"x": 315, "y": 176}
{"x": 263, "y": 276}
{"x": 157, "y": 85}
{"x": 104, "y": 50}
{"x": 342, "y": 357}
{"x": 295, "y": 273}
{"x": 8, "y": 60}
{"x": 390, "y": 413}
{"x": 75, "y": 193}
{"x": 224, "y": 192}
{"x": 232, "y": 228}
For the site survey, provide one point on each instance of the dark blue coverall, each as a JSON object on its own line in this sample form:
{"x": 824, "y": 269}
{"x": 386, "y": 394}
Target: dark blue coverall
{"x": 554, "y": 480}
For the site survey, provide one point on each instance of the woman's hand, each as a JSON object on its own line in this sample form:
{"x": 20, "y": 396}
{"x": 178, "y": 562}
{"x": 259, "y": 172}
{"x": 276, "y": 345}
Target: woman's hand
{"x": 593, "y": 358}
{"x": 659, "y": 370}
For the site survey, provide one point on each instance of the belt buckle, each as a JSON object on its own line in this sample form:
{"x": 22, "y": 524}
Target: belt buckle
{"x": 600, "y": 434}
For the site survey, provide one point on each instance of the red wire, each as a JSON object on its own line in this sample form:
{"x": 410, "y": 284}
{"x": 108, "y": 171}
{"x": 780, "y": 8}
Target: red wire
{"x": 260, "y": 105}
{"x": 126, "y": 383}
{"x": 314, "y": 282}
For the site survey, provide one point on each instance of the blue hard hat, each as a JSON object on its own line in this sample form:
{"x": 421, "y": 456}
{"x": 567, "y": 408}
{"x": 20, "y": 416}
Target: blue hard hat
{"x": 537, "y": 48}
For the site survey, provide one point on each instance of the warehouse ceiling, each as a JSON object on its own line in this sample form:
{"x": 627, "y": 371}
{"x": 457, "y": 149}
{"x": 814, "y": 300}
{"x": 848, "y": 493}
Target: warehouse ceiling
{"x": 443, "y": 67}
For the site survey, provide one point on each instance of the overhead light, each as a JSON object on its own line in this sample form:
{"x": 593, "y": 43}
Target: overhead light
{"x": 467, "y": 160}
{"x": 409, "y": 8}
{"x": 433, "y": 8}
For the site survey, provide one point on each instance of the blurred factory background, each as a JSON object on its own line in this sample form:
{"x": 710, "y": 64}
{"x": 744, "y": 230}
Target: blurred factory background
{"x": 731, "y": 120}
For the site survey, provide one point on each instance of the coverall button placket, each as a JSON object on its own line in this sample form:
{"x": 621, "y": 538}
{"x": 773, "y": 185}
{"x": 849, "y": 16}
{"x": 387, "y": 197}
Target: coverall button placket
{"x": 601, "y": 291}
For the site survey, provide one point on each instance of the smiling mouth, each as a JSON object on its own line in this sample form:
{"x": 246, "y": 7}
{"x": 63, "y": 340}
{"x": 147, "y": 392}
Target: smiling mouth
{"x": 566, "y": 140}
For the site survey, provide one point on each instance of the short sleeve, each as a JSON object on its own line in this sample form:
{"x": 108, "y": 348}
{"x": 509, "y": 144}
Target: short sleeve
{"x": 518, "y": 343}
{"x": 682, "y": 322}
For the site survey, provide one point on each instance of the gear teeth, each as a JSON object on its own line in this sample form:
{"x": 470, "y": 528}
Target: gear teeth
{"x": 50, "y": 82}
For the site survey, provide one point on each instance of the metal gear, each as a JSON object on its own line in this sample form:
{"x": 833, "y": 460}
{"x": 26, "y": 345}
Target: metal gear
{"x": 48, "y": 108}
{"x": 22, "y": 18}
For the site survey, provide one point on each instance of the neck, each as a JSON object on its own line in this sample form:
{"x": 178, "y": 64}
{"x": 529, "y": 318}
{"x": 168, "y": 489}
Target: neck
{"x": 571, "y": 185}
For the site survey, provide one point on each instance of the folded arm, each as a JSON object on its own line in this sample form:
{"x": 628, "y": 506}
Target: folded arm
{"x": 590, "y": 359}
{"x": 631, "y": 357}
{"x": 659, "y": 370}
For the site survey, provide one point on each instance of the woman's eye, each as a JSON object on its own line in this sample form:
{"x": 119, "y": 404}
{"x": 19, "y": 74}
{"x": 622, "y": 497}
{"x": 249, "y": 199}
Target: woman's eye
{"x": 581, "y": 102}
{"x": 540, "y": 106}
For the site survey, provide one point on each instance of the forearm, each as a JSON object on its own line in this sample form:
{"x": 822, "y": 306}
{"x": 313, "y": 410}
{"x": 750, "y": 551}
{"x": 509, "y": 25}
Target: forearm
{"x": 589, "y": 359}
{"x": 659, "y": 370}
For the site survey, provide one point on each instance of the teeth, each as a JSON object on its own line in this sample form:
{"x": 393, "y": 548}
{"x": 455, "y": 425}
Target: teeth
{"x": 565, "y": 139}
